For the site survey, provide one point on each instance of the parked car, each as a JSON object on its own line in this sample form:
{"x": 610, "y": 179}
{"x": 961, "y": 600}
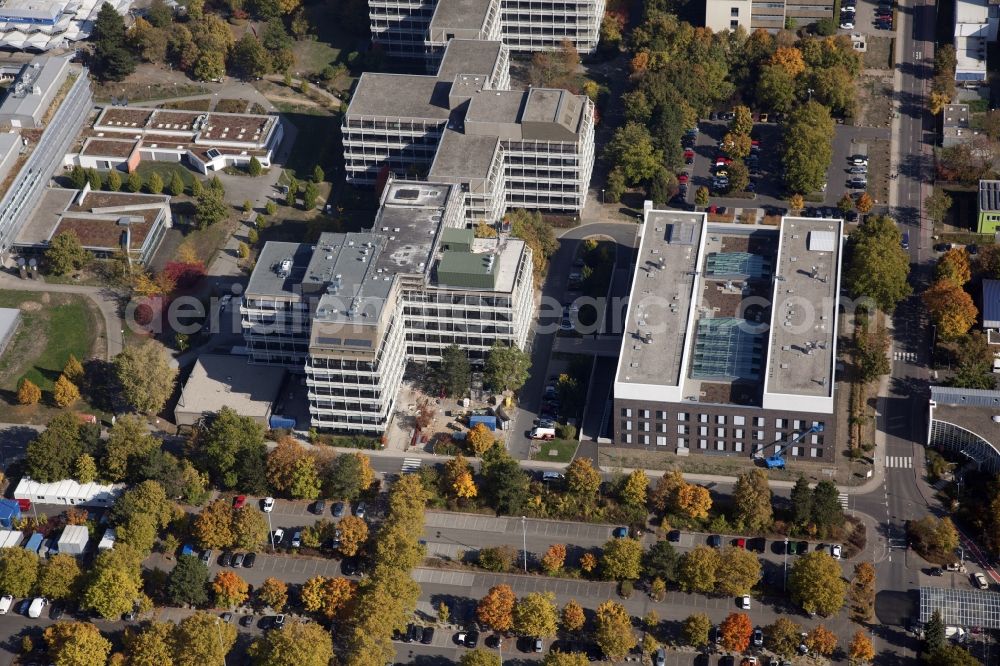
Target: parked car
{"x": 278, "y": 536}
{"x": 428, "y": 636}
{"x": 338, "y": 510}
{"x": 715, "y": 541}
{"x": 758, "y": 637}
{"x": 744, "y": 602}
{"x": 620, "y": 532}
{"x": 238, "y": 560}
{"x": 674, "y": 536}
{"x": 319, "y": 507}
{"x": 6, "y": 601}
{"x": 267, "y": 504}
{"x": 279, "y": 621}
{"x": 297, "y": 539}
{"x": 980, "y": 581}
{"x": 660, "y": 658}
{"x": 246, "y": 620}
{"x": 836, "y": 551}
{"x": 249, "y": 560}
{"x": 206, "y": 555}
{"x": 239, "y": 501}
{"x": 359, "y": 509}
{"x": 225, "y": 559}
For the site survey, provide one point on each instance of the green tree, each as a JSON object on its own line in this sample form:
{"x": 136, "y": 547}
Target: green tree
{"x": 210, "y": 209}
{"x": 309, "y": 196}
{"x": 479, "y": 657}
{"x": 784, "y": 637}
{"x": 111, "y": 60}
{"x": 701, "y": 196}
{"x": 231, "y": 449}
{"x": 176, "y": 186}
{"x": 505, "y": 484}
{"x": 622, "y": 559}
{"x": 297, "y": 643}
{"x": 815, "y": 583}
{"x": 808, "y": 147}
{"x": 662, "y": 186}
{"x": 65, "y": 254}
{"x": 114, "y": 181}
{"x": 951, "y": 655}
{"x": 827, "y": 513}
{"x": 614, "y": 630}
{"x": 94, "y": 178}
{"x": 801, "y": 501}
{"x": 507, "y": 367}
{"x": 615, "y": 187}
{"x": 776, "y": 89}
{"x": 535, "y": 615}
{"x": 254, "y": 168}
{"x": 154, "y": 184}
{"x": 305, "y": 479}
{"x": 138, "y": 531}
{"x": 937, "y": 206}
{"x": 454, "y": 373}
{"x": 249, "y": 58}
{"x": 752, "y": 502}
{"x": 318, "y": 175}
{"x": 694, "y": 630}
{"x": 148, "y": 497}
{"x": 59, "y": 577}
{"x": 76, "y": 644}
{"x": 973, "y": 363}
{"x": 873, "y": 355}
{"x": 934, "y": 632}
{"x": 742, "y": 122}
{"x": 348, "y": 476}
{"x": 114, "y": 583}
{"x": 660, "y": 561}
{"x": 78, "y": 177}
{"x": 134, "y": 182}
{"x": 878, "y": 267}
{"x": 249, "y": 528}
{"x": 52, "y": 455}
{"x": 188, "y": 582}
{"x": 537, "y": 234}
{"x": 739, "y": 176}
{"x": 293, "y": 193}
{"x": 85, "y": 469}
{"x": 196, "y": 187}
{"x": 128, "y": 441}
{"x": 934, "y": 538}
{"x": 146, "y": 376}
{"x": 631, "y": 150}
{"x": 18, "y": 571}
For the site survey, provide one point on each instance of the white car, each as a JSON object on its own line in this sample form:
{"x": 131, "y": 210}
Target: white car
{"x": 268, "y": 504}
{"x": 836, "y": 551}
{"x": 35, "y": 609}
{"x": 6, "y": 601}
{"x": 981, "y": 581}
{"x": 846, "y": 25}
{"x": 745, "y": 602}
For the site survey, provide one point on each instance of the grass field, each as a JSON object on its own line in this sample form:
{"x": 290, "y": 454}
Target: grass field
{"x": 53, "y": 326}
{"x": 556, "y": 450}
{"x": 166, "y": 171}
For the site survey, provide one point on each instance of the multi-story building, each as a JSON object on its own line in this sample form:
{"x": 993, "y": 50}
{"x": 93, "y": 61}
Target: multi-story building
{"x": 352, "y": 309}
{"x": 532, "y": 148}
{"x": 730, "y": 338}
{"x": 421, "y": 29}
{"x": 976, "y": 23}
{"x": 966, "y": 423}
{"x": 769, "y": 15}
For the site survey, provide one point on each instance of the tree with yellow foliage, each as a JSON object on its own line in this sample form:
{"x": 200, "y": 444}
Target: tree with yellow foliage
{"x": 353, "y": 533}
{"x": 480, "y": 439}
{"x": 573, "y": 617}
{"x": 633, "y": 492}
{"x": 821, "y": 641}
{"x": 145, "y": 285}
{"x": 458, "y": 478}
{"x": 65, "y": 392}
{"x": 694, "y": 501}
{"x": 73, "y": 370}
{"x": 327, "y": 596}
{"x": 951, "y": 308}
{"x": 796, "y": 202}
{"x": 789, "y": 59}
{"x": 954, "y": 265}
{"x": 28, "y": 392}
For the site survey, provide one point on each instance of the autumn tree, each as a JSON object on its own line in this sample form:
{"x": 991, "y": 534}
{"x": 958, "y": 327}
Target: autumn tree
{"x": 59, "y": 577}
{"x": 554, "y": 558}
{"x": 76, "y": 644}
{"x": 633, "y": 490}
{"x": 281, "y": 464}
{"x": 861, "y": 650}
{"x": 951, "y": 309}
{"x": 613, "y": 632}
{"x": 297, "y": 643}
{"x": 784, "y": 637}
{"x": 734, "y": 632}
{"x": 230, "y": 590}
{"x": 249, "y": 528}
{"x": 934, "y": 538}
{"x": 114, "y": 583}
{"x": 458, "y": 478}
{"x": 695, "y": 630}
{"x": 18, "y": 571}
{"x": 146, "y": 376}
{"x": 582, "y": 479}
{"x": 353, "y": 534}
{"x": 789, "y": 59}
{"x": 694, "y": 501}
{"x": 129, "y": 440}
{"x": 349, "y": 475}
{"x": 622, "y": 559}
{"x": 480, "y": 439}
{"x": 65, "y": 392}
{"x": 496, "y": 609}
{"x": 328, "y": 596}
{"x": 954, "y": 265}
{"x": 821, "y": 640}
{"x": 752, "y": 502}
{"x": 862, "y": 592}
{"x": 815, "y": 584}
{"x": 28, "y": 392}
{"x": 206, "y": 640}
{"x": 479, "y": 657}
{"x": 572, "y": 616}
{"x": 796, "y": 202}
{"x": 273, "y": 593}
{"x": 535, "y": 615}
{"x": 151, "y": 646}
{"x": 738, "y": 571}
{"x": 213, "y": 526}
{"x": 698, "y": 570}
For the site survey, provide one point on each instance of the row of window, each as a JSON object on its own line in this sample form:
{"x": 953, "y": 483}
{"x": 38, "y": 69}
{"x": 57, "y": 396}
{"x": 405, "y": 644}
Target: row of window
{"x": 707, "y": 431}
{"x": 720, "y": 419}
{"x": 718, "y": 446}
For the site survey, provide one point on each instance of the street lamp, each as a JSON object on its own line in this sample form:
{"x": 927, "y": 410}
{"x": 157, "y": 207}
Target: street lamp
{"x": 524, "y": 541}
{"x": 270, "y": 531}
{"x": 602, "y": 197}
{"x": 784, "y": 578}
{"x": 218, "y": 626}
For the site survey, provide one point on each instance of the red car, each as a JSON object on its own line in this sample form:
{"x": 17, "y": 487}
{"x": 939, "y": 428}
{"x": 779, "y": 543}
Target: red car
{"x": 722, "y": 161}
{"x": 741, "y": 543}
{"x": 682, "y": 179}
{"x": 239, "y": 501}
{"x": 688, "y": 153}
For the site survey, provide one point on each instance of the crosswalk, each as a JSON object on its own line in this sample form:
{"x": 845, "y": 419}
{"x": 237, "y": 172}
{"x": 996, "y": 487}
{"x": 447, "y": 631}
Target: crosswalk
{"x": 899, "y": 462}
{"x": 842, "y": 498}
{"x": 411, "y": 465}
{"x": 905, "y": 356}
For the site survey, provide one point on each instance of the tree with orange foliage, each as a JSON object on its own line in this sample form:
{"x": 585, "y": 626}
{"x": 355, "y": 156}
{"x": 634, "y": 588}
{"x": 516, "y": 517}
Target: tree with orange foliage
{"x": 353, "y": 533}
{"x": 694, "y": 500}
{"x": 951, "y": 308}
{"x": 789, "y": 59}
{"x": 861, "y": 650}
{"x": 734, "y": 633}
{"x": 865, "y": 203}
{"x": 496, "y": 609}
{"x": 588, "y": 562}
{"x": 573, "y": 617}
{"x": 28, "y": 392}
{"x": 281, "y": 463}
{"x": 230, "y": 590}
{"x": 640, "y": 62}
{"x": 954, "y": 265}
{"x": 328, "y": 596}
{"x": 821, "y": 641}
{"x": 480, "y": 438}
{"x": 554, "y": 558}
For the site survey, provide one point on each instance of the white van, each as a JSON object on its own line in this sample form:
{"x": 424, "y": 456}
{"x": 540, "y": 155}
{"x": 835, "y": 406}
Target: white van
{"x": 35, "y": 609}
{"x": 543, "y": 433}
{"x": 6, "y": 601}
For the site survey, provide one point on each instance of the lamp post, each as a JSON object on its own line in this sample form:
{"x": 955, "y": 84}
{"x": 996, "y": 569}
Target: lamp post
{"x": 270, "y": 531}
{"x": 602, "y": 197}
{"x": 784, "y": 578}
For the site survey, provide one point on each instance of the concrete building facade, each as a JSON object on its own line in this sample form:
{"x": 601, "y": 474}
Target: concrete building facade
{"x": 769, "y": 15}
{"x": 531, "y": 149}
{"x": 352, "y": 310}
{"x": 421, "y": 29}
{"x": 730, "y": 338}
{"x": 976, "y": 23}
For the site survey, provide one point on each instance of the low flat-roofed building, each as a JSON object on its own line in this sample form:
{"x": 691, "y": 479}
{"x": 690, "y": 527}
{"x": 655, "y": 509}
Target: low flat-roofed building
{"x": 988, "y": 220}
{"x": 730, "y": 338}
{"x": 33, "y": 91}
{"x": 955, "y": 128}
{"x": 991, "y": 310}
{"x": 966, "y": 422}
{"x": 976, "y": 24}
{"x": 105, "y": 222}
{"x": 68, "y": 492}
{"x": 221, "y": 380}
{"x": 11, "y": 144}
{"x": 31, "y": 25}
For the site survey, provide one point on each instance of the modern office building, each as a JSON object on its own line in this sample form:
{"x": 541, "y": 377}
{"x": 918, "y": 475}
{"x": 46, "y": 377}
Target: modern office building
{"x": 351, "y": 310}
{"x": 988, "y": 218}
{"x": 966, "y": 422}
{"x": 421, "y": 29}
{"x": 769, "y": 15}
{"x": 976, "y": 23}
{"x": 731, "y": 338}
{"x": 531, "y": 149}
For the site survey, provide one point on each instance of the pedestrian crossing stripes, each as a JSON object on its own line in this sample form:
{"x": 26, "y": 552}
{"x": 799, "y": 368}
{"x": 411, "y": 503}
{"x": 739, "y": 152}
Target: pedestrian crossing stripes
{"x": 411, "y": 465}
{"x": 842, "y": 498}
{"x": 905, "y": 356}
{"x": 900, "y": 462}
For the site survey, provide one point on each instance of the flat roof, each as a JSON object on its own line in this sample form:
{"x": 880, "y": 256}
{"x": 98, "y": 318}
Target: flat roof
{"x": 464, "y": 156}
{"x": 220, "y": 380}
{"x": 989, "y": 195}
{"x": 123, "y": 117}
{"x": 42, "y": 74}
{"x": 804, "y": 307}
{"x": 460, "y": 14}
{"x": 108, "y": 148}
{"x": 400, "y": 96}
{"x": 496, "y": 106}
{"x": 971, "y": 409}
{"x": 468, "y": 56}
{"x": 991, "y": 303}
{"x": 961, "y": 607}
{"x": 271, "y": 279}
{"x": 660, "y": 299}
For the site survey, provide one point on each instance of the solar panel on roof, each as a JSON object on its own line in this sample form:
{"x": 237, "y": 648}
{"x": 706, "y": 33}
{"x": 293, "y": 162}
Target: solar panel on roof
{"x": 822, "y": 241}
{"x": 961, "y": 607}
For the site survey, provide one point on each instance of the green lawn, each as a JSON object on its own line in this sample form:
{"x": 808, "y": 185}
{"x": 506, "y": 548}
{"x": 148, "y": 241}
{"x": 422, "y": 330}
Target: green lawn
{"x": 48, "y": 334}
{"x": 166, "y": 171}
{"x": 564, "y": 450}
